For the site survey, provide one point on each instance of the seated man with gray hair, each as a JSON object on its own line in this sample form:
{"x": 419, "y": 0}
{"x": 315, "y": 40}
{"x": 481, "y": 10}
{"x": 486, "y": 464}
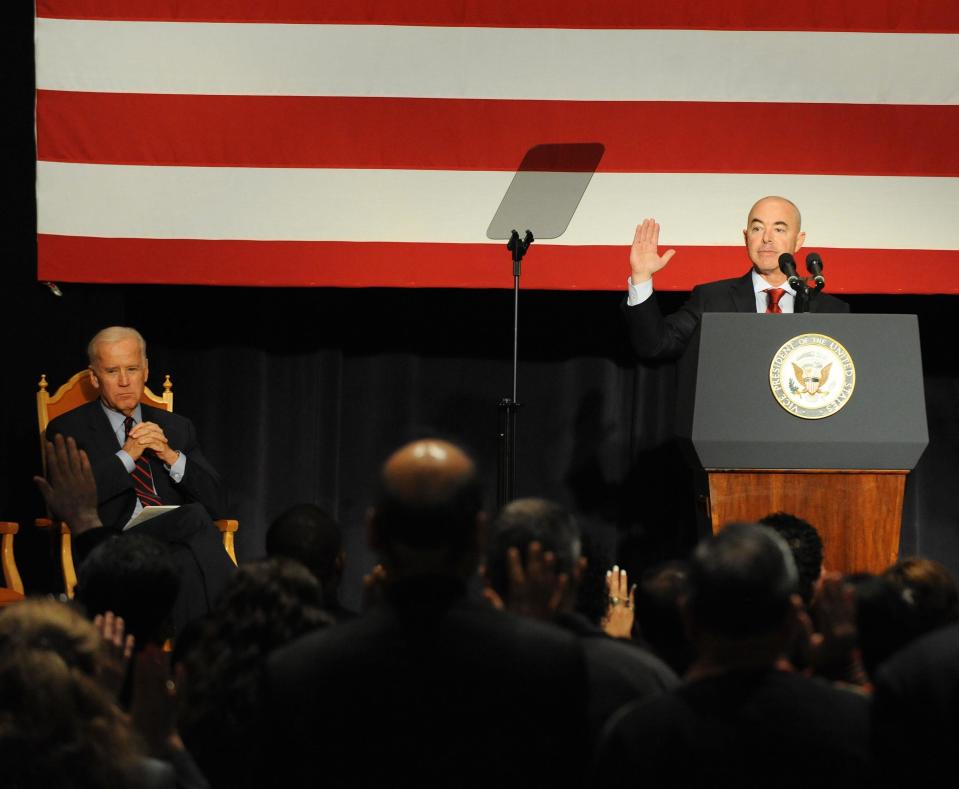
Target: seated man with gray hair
{"x": 143, "y": 456}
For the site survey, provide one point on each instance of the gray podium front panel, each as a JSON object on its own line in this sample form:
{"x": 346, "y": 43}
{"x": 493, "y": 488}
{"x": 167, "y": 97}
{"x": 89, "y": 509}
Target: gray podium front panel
{"x": 728, "y": 411}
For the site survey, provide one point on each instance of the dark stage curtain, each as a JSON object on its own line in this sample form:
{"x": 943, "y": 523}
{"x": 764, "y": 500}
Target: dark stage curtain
{"x": 298, "y": 395}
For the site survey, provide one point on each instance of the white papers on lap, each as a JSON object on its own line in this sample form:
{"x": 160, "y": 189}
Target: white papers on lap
{"x": 148, "y": 513}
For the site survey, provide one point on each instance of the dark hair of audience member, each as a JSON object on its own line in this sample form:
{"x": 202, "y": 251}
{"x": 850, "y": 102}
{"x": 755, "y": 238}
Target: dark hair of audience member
{"x": 134, "y": 577}
{"x": 266, "y": 605}
{"x": 885, "y": 618}
{"x": 806, "y": 546}
{"x": 741, "y": 581}
{"x": 311, "y": 536}
{"x": 592, "y": 596}
{"x": 930, "y": 587}
{"x": 58, "y": 726}
{"x": 522, "y": 522}
{"x": 659, "y": 617}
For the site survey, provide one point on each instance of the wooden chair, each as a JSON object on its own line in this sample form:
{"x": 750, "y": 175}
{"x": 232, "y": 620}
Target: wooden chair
{"x": 13, "y": 591}
{"x": 75, "y": 392}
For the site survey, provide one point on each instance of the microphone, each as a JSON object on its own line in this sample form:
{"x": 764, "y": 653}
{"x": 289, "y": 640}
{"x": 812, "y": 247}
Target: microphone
{"x": 814, "y": 267}
{"x": 787, "y": 265}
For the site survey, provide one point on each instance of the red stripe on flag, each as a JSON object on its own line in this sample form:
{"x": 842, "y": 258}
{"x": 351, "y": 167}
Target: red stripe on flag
{"x": 902, "y": 16}
{"x": 383, "y": 264}
{"x": 459, "y": 134}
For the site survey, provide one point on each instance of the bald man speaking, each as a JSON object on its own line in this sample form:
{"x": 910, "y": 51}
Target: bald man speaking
{"x": 773, "y": 226}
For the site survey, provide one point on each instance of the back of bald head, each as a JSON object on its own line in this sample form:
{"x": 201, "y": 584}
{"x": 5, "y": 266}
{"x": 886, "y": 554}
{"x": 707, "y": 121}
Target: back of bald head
{"x": 430, "y": 498}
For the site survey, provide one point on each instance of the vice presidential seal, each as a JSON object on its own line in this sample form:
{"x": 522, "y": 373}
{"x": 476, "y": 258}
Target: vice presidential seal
{"x": 812, "y": 376}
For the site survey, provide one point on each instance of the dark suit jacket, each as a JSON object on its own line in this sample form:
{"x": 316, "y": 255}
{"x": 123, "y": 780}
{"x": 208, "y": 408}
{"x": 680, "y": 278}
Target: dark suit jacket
{"x": 429, "y": 689}
{"x": 916, "y": 710}
{"x": 618, "y": 671}
{"x": 91, "y": 429}
{"x": 654, "y": 336}
{"x": 742, "y": 729}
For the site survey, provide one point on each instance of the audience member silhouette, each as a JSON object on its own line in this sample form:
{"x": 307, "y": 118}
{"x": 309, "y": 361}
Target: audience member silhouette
{"x": 885, "y": 619}
{"x": 742, "y": 718}
{"x": 429, "y": 687}
{"x": 311, "y": 536}
{"x": 806, "y": 546}
{"x": 930, "y": 588}
{"x": 659, "y": 622}
{"x": 265, "y": 606}
{"x": 59, "y": 724}
{"x": 136, "y": 578}
{"x": 916, "y": 711}
{"x": 592, "y": 597}
{"x": 544, "y": 538}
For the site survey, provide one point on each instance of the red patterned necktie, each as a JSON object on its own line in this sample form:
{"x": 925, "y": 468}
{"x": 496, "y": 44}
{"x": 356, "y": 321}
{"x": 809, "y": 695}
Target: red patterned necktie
{"x": 142, "y": 475}
{"x": 774, "y": 294}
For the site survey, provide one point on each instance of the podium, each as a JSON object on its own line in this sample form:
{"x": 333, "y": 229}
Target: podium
{"x": 819, "y": 415}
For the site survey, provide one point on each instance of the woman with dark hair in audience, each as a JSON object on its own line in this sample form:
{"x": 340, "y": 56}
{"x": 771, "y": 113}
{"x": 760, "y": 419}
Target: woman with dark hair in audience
{"x": 266, "y": 605}
{"x": 59, "y": 723}
{"x": 930, "y": 588}
{"x": 58, "y": 726}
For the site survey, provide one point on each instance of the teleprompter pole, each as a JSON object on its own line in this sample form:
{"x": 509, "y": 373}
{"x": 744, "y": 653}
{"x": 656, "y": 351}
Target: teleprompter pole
{"x": 508, "y": 406}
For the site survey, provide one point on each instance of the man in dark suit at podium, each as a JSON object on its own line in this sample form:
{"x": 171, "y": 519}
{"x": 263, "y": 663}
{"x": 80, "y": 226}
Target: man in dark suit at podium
{"x": 774, "y": 226}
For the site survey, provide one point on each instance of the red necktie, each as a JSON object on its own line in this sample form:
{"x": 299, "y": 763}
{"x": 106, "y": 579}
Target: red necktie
{"x": 142, "y": 475}
{"x": 775, "y": 294}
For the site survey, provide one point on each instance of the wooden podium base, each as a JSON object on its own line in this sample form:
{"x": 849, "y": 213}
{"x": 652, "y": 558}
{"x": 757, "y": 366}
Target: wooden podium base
{"x": 857, "y": 513}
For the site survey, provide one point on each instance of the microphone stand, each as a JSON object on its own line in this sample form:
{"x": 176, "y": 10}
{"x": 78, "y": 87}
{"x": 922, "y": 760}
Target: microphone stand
{"x": 508, "y": 406}
{"x": 814, "y": 267}
{"x": 788, "y": 267}
{"x": 802, "y": 295}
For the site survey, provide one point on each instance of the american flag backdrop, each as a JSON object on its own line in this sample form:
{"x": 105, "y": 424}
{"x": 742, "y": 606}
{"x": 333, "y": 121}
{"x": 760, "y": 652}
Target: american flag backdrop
{"x": 350, "y": 143}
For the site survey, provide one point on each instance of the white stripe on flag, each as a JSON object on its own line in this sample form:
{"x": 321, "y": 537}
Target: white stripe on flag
{"x": 119, "y": 201}
{"x": 374, "y": 60}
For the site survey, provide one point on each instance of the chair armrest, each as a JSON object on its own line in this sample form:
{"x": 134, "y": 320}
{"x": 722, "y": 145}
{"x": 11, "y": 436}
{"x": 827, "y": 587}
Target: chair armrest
{"x": 10, "y": 573}
{"x": 68, "y": 570}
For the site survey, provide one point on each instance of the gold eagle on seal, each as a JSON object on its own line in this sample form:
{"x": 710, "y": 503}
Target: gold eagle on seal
{"x": 811, "y": 379}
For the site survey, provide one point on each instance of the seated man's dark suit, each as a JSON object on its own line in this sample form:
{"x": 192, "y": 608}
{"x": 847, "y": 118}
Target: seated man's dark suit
{"x": 205, "y": 566}
{"x": 655, "y": 336}
{"x": 429, "y": 689}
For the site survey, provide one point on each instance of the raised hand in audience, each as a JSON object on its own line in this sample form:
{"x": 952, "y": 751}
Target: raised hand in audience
{"x": 118, "y": 650}
{"x": 618, "y": 621}
{"x": 69, "y": 488}
{"x": 834, "y": 645}
{"x": 535, "y": 590}
{"x": 153, "y": 707}
{"x": 373, "y": 584}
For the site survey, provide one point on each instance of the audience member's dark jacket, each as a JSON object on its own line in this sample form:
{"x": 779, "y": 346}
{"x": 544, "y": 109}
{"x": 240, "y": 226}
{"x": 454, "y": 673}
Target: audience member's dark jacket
{"x": 430, "y": 689}
{"x": 618, "y": 672}
{"x": 740, "y": 729}
{"x": 916, "y": 710}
